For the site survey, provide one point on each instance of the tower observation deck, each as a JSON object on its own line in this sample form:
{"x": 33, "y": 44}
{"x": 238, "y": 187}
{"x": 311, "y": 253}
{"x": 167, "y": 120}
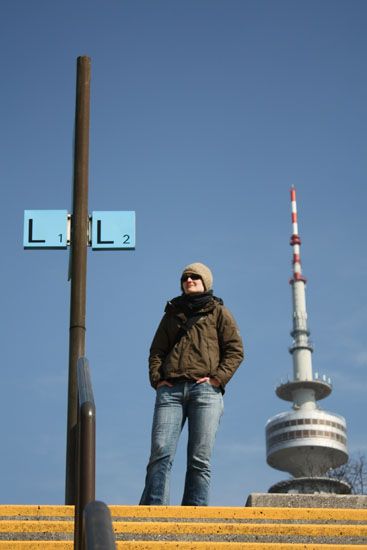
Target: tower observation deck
{"x": 306, "y": 441}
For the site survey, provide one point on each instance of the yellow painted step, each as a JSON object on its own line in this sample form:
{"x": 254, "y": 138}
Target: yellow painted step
{"x": 261, "y": 524}
{"x": 197, "y": 512}
{"x": 36, "y": 510}
{"x": 214, "y": 512}
{"x": 37, "y": 545}
{"x": 163, "y": 545}
{"x": 194, "y": 528}
{"x": 157, "y": 545}
{"x": 38, "y": 526}
{"x": 265, "y": 529}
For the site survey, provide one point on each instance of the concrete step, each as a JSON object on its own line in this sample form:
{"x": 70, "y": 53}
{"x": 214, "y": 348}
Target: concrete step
{"x": 189, "y": 528}
{"x": 163, "y": 545}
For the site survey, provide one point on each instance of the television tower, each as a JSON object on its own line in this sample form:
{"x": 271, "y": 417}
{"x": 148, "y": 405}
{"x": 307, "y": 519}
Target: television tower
{"x": 306, "y": 441}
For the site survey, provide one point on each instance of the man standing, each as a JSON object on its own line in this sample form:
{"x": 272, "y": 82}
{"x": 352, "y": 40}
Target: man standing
{"x": 195, "y": 352}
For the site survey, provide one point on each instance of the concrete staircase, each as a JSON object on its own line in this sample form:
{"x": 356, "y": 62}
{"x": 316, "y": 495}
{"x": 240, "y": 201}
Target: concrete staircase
{"x": 191, "y": 528}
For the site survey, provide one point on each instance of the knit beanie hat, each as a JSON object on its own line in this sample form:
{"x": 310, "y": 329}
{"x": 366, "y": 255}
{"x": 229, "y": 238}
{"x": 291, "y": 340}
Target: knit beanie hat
{"x": 203, "y": 271}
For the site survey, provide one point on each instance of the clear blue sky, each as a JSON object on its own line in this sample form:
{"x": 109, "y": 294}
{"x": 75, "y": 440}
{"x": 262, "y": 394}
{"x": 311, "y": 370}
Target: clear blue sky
{"x": 203, "y": 114}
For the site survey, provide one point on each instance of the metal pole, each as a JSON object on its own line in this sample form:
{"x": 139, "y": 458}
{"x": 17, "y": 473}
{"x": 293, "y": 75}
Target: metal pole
{"x": 78, "y": 271}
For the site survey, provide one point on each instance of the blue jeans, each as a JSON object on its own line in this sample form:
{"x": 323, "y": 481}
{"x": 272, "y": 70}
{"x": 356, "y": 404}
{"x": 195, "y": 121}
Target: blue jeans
{"x": 202, "y": 405}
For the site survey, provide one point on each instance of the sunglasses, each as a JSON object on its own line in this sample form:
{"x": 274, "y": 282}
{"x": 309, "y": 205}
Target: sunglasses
{"x": 192, "y": 276}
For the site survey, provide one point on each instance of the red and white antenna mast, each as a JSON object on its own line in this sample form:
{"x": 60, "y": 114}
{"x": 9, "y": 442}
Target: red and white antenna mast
{"x": 301, "y": 348}
{"x": 295, "y": 240}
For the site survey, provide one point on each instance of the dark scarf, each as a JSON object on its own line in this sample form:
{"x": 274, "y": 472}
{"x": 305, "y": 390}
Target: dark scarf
{"x": 196, "y": 301}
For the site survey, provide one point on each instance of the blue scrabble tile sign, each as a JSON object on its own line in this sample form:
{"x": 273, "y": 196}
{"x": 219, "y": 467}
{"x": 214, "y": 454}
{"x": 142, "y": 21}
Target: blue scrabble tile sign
{"x": 113, "y": 230}
{"x": 45, "y": 229}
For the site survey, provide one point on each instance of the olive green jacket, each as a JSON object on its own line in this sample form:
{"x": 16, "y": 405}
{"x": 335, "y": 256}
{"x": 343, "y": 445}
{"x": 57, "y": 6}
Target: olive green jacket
{"x": 211, "y": 347}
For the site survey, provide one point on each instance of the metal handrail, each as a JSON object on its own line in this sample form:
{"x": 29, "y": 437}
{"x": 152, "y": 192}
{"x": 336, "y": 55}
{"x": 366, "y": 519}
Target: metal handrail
{"x": 97, "y": 527}
{"x": 86, "y": 449}
{"x": 85, "y": 389}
